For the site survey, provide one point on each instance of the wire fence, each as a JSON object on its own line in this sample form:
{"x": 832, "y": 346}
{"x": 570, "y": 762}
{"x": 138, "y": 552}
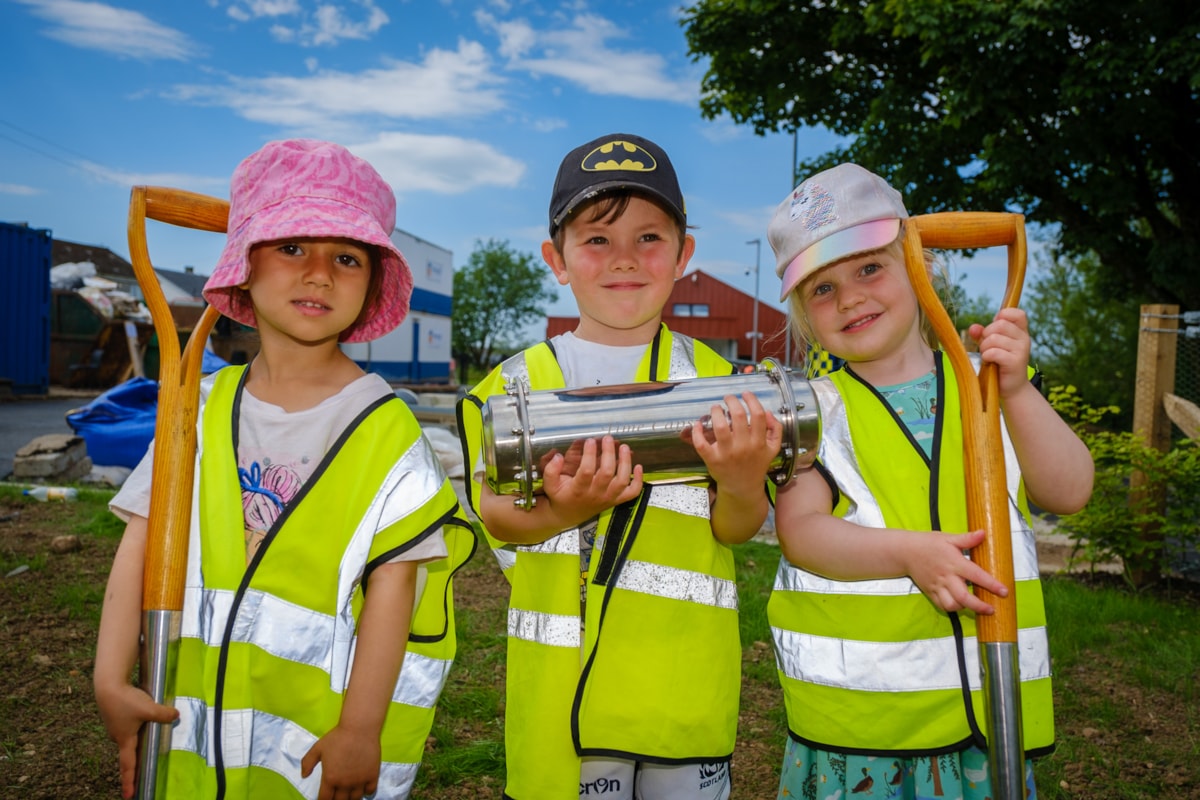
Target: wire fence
{"x": 1187, "y": 361}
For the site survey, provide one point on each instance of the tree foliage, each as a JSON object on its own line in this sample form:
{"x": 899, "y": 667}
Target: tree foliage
{"x": 495, "y": 294}
{"x": 1080, "y": 113}
{"x": 1083, "y": 336}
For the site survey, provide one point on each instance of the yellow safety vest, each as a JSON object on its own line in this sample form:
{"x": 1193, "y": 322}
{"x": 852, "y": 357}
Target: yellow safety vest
{"x": 267, "y": 647}
{"x": 656, "y": 571}
{"x": 873, "y": 666}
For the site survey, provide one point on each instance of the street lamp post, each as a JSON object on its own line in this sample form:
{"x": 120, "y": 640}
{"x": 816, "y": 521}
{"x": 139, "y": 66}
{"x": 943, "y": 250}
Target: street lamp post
{"x": 754, "y": 333}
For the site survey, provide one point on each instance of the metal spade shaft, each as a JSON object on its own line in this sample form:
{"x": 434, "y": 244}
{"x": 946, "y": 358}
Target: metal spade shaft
{"x": 986, "y": 487}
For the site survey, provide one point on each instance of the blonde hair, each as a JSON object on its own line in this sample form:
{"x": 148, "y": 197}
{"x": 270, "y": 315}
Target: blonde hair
{"x": 802, "y": 328}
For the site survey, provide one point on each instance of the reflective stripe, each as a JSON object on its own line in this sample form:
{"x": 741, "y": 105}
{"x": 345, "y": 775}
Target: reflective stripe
{"x": 554, "y": 630}
{"x": 505, "y": 557}
{"x": 421, "y": 680}
{"x": 898, "y": 666}
{"x": 256, "y": 738}
{"x": 561, "y": 544}
{"x": 515, "y": 369}
{"x": 415, "y": 478}
{"x": 790, "y": 578}
{"x": 836, "y": 452}
{"x": 683, "y": 363}
{"x": 682, "y": 499}
{"x": 678, "y": 584}
{"x": 303, "y": 636}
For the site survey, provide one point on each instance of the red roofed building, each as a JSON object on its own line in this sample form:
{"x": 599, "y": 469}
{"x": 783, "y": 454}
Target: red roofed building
{"x": 719, "y": 315}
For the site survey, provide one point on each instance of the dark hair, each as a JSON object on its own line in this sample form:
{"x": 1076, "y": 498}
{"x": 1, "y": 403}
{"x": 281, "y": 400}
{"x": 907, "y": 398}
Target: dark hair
{"x": 374, "y": 283}
{"x": 610, "y": 207}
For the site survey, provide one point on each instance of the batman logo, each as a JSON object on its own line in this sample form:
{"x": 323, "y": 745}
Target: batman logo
{"x": 619, "y": 155}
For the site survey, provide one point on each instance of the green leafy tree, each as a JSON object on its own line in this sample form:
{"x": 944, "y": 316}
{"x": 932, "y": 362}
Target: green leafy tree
{"x": 496, "y": 293}
{"x": 1084, "y": 114}
{"x": 1083, "y": 336}
{"x": 966, "y": 310}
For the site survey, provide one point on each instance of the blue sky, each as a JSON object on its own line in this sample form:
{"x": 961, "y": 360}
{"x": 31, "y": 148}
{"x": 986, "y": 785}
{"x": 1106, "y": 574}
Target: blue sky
{"x": 465, "y": 107}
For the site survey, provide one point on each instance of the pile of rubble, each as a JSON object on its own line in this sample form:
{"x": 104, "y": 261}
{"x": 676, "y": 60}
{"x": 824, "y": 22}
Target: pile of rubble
{"x": 53, "y": 458}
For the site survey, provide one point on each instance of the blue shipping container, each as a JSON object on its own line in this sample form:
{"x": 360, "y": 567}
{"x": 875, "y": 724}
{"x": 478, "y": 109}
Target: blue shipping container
{"x": 25, "y": 308}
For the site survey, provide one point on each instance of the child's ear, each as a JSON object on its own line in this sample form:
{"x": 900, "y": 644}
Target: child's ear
{"x": 685, "y": 255}
{"x": 554, "y": 260}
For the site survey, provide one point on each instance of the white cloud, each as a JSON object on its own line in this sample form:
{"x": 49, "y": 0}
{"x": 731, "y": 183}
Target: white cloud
{"x": 178, "y": 179}
{"x": 446, "y": 84}
{"x": 442, "y": 164}
{"x": 117, "y": 31}
{"x": 516, "y": 37}
{"x": 263, "y": 8}
{"x": 752, "y": 221}
{"x": 547, "y": 125}
{"x": 328, "y": 24}
{"x": 723, "y": 129}
{"x": 581, "y": 53}
{"x": 18, "y": 189}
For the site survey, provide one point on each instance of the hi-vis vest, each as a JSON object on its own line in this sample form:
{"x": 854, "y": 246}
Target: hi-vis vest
{"x": 872, "y": 666}
{"x": 656, "y": 575}
{"x": 267, "y": 647}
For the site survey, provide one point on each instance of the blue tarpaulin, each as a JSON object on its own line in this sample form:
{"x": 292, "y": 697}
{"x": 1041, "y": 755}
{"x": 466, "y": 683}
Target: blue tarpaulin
{"x": 118, "y": 425}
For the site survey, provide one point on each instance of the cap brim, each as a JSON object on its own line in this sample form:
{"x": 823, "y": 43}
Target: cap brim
{"x": 597, "y": 189}
{"x": 837, "y": 246}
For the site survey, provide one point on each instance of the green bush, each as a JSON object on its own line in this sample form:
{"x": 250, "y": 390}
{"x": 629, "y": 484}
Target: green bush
{"x": 1149, "y": 528}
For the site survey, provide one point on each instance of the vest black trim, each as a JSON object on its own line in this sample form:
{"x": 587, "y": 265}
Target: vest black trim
{"x": 426, "y": 638}
{"x": 625, "y": 535}
{"x": 654, "y": 346}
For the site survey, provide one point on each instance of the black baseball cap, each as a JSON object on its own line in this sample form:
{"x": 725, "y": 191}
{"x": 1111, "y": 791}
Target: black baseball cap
{"x": 612, "y": 163}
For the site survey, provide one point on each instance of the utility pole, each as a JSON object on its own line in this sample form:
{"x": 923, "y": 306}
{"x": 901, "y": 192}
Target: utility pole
{"x": 754, "y": 334}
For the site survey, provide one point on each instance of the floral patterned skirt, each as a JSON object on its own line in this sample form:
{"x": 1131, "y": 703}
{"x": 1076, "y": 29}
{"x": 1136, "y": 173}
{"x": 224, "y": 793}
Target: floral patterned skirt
{"x": 823, "y": 775}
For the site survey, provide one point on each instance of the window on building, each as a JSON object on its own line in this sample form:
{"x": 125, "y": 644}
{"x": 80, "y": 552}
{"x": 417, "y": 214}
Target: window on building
{"x": 690, "y": 310}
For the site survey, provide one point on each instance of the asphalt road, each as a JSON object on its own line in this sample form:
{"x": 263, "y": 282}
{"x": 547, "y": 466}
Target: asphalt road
{"x": 23, "y": 420}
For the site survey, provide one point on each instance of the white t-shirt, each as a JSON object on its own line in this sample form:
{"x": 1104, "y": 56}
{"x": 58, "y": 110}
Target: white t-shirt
{"x": 277, "y": 453}
{"x": 585, "y": 364}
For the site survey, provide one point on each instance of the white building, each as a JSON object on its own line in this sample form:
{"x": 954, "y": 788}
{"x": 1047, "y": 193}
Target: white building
{"x": 419, "y": 350}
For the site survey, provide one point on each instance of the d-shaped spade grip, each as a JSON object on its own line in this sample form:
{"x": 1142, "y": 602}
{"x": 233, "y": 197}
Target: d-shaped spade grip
{"x": 523, "y": 429}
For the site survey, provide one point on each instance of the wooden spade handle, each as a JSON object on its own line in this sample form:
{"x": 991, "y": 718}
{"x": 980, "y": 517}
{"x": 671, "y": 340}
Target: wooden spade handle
{"x": 987, "y": 490}
{"x": 178, "y": 396}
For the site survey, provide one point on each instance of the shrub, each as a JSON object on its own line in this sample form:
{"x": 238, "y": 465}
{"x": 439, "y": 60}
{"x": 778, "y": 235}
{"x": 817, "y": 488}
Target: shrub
{"x": 1145, "y": 507}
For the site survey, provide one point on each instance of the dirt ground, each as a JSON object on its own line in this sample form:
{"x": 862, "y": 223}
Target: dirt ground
{"x": 52, "y": 744}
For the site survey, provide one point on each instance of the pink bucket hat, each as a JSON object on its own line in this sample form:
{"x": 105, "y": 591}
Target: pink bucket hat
{"x": 307, "y": 188}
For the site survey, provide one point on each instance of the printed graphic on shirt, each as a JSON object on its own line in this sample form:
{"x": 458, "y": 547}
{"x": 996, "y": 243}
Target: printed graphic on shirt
{"x": 265, "y": 493}
{"x": 915, "y": 403}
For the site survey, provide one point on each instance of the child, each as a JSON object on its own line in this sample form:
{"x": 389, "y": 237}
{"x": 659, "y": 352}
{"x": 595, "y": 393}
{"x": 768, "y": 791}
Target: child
{"x": 647, "y": 694}
{"x": 313, "y": 479}
{"x": 872, "y": 610}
